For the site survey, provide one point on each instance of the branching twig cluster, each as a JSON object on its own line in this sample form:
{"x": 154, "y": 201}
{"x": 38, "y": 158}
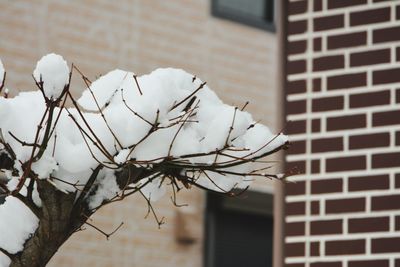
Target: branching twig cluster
{"x": 132, "y": 175}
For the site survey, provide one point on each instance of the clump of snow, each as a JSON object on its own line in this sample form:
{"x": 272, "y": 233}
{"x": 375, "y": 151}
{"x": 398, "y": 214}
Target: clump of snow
{"x": 4, "y": 260}
{"x": 131, "y": 113}
{"x": 16, "y": 224}
{"x": 45, "y": 166}
{"x": 107, "y": 189}
{"x": 167, "y": 114}
{"x": 105, "y": 88}
{"x": 53, "y": 71}
{"x": 122, "y": 156}
{"x": 2, "y": 71}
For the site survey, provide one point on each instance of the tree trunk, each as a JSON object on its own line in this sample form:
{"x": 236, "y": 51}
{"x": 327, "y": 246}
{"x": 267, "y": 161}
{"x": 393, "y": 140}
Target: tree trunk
{"x": 61, "y": 215}
{"x": 53, "y": 230}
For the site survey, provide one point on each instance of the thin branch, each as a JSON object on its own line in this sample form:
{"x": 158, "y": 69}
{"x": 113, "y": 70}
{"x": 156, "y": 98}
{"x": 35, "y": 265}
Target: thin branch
{"x": 107, "y": 235}
{"x": 137, "y": 84}
{"x": 189, "y": 96}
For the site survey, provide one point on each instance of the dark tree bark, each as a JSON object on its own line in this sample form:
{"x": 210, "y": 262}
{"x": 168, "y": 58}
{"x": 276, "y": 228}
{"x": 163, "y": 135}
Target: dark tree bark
{"x": 60, "y": 216}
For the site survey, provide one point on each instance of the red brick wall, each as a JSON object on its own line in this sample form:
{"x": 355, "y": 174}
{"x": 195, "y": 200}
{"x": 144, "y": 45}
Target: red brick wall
{"x": 342, "y": 96}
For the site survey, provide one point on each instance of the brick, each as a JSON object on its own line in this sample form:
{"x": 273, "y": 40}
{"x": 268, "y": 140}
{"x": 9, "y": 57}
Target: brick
{"x": 297, "y": 27}
{"x": 316, "y": 85}
{"x": 314, "y": 249}
{"x": 347, "y": 40}
{"x": 297, "y": 147}
{"x": 297, "y": 47}
{"x": 386, "y": 118}
{"x": 295, "y": 188}
{"x": 345, "y": 247}
{"x": 370, "y": 99}
{"x": 346, "y": 122}
{"x": 397, "y": 223}
{"x": 370, "y": 16}
{"x": 370, "y": 57}
{"x": 369, "y": 140}
{"x": 297, "y": 7}
{"x": 315, "y": 166}
{"x": 295, "y": 249}
{"x": 326, "y": 186}
{"x": 314, "y": 207}
{"x": 327, "y": 103}
{"x": 296, "y": 107}
{"x": 345, "y": 163}
{"x": 386, "y": 76}
{"x": 326, "y": 264}
{"x": 397, "y": 139}
{"x": 296, "y": 166}
{"x": 317, "y": 44}
{"x": 390, "y": 202}
{"x": 372, "y": 224}
{"x": 327, "y": 227}
{"x": 328, "y": 63}
{"x": 295, "y": 229}
{"x": 296, "y": 87}
{"x": 345, "y": 205}
{"x": 296, "y": 127}
{"x": 397, "y": 263}
{"x": 386, "y": 35}
{"x": 296, "y": 66}
{"x": 347, "y": 81}
{"x": 385, "y": 245}
{"x": 368, "y": 263}
{"x": 397, "y": 180}
{"x": 397, "y": 12}
{"x": 317, "y": 5}
{"x": 397, "y": 53}
{"x": 386, "y": 160}
{"x": 369, "y": 182}
{"x": 295, "y": 208}
{"x": 316, "y": 125}
{"x": 327, "y": 144}
{"x": 398, "y": 96}
{"x": 328, "y": 22}
{"x": 340, "y": 3}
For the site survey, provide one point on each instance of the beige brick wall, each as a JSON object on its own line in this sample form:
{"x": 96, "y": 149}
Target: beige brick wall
{"x": 239, "y": 62}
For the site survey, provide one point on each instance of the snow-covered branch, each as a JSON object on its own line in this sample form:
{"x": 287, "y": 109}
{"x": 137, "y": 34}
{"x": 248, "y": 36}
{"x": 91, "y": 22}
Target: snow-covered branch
{"x": 126, "y": 134}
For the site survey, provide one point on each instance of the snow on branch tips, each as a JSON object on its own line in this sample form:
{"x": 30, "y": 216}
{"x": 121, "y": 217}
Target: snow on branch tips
{"x": 126, "y": 134}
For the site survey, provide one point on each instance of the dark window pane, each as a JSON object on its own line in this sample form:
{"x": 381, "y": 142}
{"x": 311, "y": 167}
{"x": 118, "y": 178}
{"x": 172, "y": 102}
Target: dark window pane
{"x": 239, "y": 231}
{"x": 253, "y": 8}
{"x": 243, "y": 240}
{"x": 257, "y": 13}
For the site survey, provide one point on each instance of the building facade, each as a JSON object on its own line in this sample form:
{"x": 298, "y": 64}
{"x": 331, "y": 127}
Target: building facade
{"x": 239, "y": 61}
{"x": 342, "y": 78}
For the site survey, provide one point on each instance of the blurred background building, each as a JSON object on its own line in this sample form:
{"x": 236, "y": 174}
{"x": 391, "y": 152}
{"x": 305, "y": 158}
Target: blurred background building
{"x": 330, "y": 67}
{"x": 232, "y": 45}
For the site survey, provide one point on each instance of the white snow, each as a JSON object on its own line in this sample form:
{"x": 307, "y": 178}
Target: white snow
{"x": 107, "y": 189}
{"x": 116, "y": 102}
{"x": 45, "y": 166}
{"x": 53, "y": 71}
{"x": 122, "y": 156}
{"x": 4, "y": 260}
{"x": 16, "y": 224}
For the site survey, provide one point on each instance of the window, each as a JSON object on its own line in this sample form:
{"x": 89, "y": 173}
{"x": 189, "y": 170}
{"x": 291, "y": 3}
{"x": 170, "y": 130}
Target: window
{"x": 257, "y": 13}
{"x": 239, "y": 230}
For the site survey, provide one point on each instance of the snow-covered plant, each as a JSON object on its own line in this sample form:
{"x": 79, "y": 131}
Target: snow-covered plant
{"x": 126, "y": 134}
